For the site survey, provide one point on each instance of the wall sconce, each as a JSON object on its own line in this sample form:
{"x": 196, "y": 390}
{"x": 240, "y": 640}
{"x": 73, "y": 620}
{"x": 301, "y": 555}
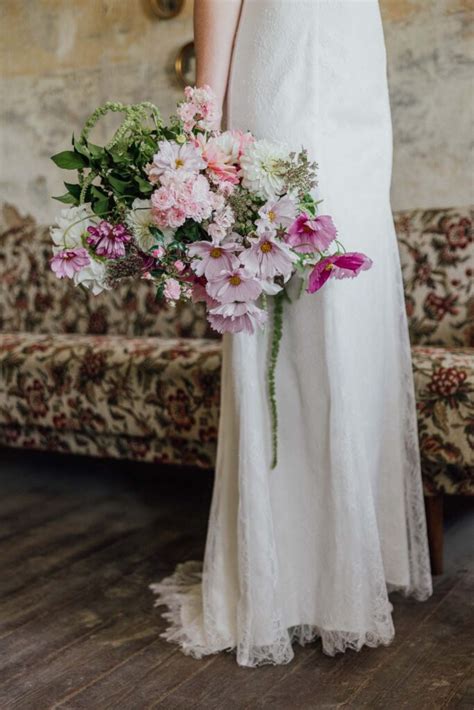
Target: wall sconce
{"x": 167, "y": 9}
{"x": 185, "y": 65}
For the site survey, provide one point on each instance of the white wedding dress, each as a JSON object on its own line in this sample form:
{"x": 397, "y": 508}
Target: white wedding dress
{"x": 311, "y": 548}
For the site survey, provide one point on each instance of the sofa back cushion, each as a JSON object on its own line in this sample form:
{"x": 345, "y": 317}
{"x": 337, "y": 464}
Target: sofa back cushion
{"x": 32, "y": 299}
{"x": 436, "y": 251}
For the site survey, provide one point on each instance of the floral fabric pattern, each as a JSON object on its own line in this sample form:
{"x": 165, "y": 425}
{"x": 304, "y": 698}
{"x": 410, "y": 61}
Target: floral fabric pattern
{"x": 120, "y": 375}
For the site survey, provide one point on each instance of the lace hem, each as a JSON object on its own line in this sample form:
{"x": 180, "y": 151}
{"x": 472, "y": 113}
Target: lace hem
{"x": 181, "y": 593}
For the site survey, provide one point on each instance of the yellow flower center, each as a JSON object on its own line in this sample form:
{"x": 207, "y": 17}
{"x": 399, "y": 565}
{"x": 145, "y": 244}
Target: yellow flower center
{"x": 266, "y": 247}
{"x": 235, "y": 280}
{"x": 271, "y": 216}
{"x": 179, "y": 163}
{"x": 216, "y": 252}
{"x": 328, "y": 267}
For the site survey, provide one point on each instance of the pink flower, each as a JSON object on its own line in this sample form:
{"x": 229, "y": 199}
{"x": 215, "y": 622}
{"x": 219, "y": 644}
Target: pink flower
{"x": 200, "y": 109}
{"x": 172, "y": 290}
{"x": 158, "y": 252}
{"x": 65, "y": 263}
{"x": 308, "y": 235}
{"x": 235, "y": 284}
{"x": 268, "y": 257}
{"x": 172, "y": 157}
{"x": 199, "y": 293}
{"x": 108, "y": 239}
{"x": 236, "y": 318}
{"x": 340, "y": 266}
{"x": 222, "y": 155}
{"x": 179, "y": 266}
{"x": 181, "y": 197}
{"x": 212, "y": 258}
{"x": 276, "y": 214}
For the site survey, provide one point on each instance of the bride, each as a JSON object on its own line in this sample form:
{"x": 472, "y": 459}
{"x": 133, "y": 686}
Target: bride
{"x": 312, "y": 548}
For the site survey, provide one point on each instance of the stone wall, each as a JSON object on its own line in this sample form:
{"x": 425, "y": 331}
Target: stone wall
{"x": 60, "y": 59}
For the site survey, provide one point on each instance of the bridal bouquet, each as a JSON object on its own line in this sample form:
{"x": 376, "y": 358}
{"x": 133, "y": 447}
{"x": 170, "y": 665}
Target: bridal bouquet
{"x": 206, "y": 215}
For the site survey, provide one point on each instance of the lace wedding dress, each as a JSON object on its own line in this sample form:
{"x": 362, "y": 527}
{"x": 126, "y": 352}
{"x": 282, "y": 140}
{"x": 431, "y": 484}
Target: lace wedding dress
{"x": 311, "y": 548}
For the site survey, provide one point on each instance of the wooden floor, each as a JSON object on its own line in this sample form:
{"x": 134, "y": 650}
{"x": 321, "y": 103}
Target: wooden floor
{"x": 80, "y": 541}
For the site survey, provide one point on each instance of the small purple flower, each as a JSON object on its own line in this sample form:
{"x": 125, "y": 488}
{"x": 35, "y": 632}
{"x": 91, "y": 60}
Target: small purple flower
{"x": 108, "y": 239}
{"x": 307, "y": 235}
{"x": 339, "y": 266}
{"x": 65, "y": 263}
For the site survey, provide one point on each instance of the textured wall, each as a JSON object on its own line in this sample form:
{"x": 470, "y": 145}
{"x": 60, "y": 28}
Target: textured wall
{"x": 61, "y": 58}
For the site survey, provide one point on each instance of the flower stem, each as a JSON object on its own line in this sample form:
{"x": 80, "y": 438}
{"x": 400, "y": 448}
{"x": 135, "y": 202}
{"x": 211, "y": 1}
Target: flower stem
{"x": 275, "y": 348}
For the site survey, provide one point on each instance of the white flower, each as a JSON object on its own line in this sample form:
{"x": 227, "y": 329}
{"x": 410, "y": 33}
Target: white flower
{"x": 92, "y": 277}
{"x": 259, "y": 171}
{"x": 275, "y": 214}
{"x": 174, "y": 158}
{"x": 140, "y": 219}
{"x": 71, "y": 225}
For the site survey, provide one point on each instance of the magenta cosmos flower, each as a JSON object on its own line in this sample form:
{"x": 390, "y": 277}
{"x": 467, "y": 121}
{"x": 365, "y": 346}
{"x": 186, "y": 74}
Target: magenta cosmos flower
{"x": 340, "y": 266}
{"x": 268, "y": 257}
{"x": 235, "y": 284}
{"x": 237, "y": 318}
{"x": 108, "y": 239}
{"x": 212, "y": 258}
{"x": 65, "y": 263}
{"x": 307, "y": 235}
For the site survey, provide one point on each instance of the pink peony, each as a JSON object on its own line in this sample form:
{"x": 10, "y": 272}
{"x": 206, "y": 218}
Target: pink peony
{"x": 108, "y": 239}
{"x": 308, "y": 235}
{"x": 175, "y": 158}
{"x": 268, "y": 257}
{"x": 235, "y": 284}
{"x": 65, "y": 263}
{"x": 236, "y": 318}
{"x": 340, "y": 266}
{"x": 212, "y": 258}
{"x": 276, "y": 214}
{"x": 172, "y": 290}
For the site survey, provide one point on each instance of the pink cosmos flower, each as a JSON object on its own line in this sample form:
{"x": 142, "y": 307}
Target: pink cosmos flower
{"x": 308, "y": 235}
{"x": 199, "y": 293}
{"x": 65, "y": 263}
{"x": 340, "y": 266}
{"x": 108, "y": 239}
{"x": 276, "y": 214}
{"x": 237, "y": 318}
{"x": 212, "y": 258}
{"x": 268, "y": 257}
{"x": 235, "y": 284}
{"x": 173, "y": 157}
{"x": 172, "y": 290}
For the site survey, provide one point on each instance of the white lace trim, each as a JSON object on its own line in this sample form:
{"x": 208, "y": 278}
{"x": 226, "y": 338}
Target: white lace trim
{"x": 181, "y": 593}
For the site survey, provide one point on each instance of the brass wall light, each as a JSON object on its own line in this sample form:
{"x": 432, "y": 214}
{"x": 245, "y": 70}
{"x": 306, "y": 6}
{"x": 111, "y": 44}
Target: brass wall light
{"x": 167, "y": 9}
{"x": 185, "y": 65}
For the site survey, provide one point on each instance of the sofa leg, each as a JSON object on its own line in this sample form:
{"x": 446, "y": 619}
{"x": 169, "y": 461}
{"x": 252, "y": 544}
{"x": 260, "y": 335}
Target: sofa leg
{"x": 434, "y": 522}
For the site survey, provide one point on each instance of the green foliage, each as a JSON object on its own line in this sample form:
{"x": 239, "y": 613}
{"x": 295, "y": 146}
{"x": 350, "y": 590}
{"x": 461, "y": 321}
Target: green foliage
{"x": 111, "y": 177}
{"x": 277, "y": 333}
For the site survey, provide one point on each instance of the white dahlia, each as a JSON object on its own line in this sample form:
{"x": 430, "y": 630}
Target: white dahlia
{"x": 259, "y": 168}
{"x": 70, "y": 227}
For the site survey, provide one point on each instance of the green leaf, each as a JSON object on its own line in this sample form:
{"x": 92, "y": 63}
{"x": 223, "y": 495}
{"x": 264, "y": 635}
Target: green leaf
{"x": 144, "y": 185}
{"x": 100, "y": 207}
{"x": 74, "y": 190}
{"x": 69, "y": 160}
{"x": 80, "y": 147}
{"x": 119, "y": 186}
{"x": 96, "y": 151}
{"x": 67, "y": 199}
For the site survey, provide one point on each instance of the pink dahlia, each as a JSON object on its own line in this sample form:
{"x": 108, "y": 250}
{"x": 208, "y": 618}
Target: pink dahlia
{"x": 235, "y": 284}
{"x": 237, "y": 318}
{"x": 108, "y": 239}
{"x": 222, "y": 155}
{"x": 339, "y": 266}
{"x": 65, "y": 263}
{"x": 268, "y": 257}
{"x": 307, "y": 235}
{"x": 212, "y": 258}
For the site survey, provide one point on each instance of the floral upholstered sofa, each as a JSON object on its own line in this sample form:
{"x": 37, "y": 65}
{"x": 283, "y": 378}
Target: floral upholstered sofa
{"x": 118, "y": 375}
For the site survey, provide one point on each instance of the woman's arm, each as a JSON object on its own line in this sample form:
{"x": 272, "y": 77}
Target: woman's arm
{"x": 215, "y": 25}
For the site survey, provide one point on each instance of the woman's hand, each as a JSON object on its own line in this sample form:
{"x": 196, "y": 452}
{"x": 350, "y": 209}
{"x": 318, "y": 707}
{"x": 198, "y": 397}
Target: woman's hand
{"x": 215, "y": 26}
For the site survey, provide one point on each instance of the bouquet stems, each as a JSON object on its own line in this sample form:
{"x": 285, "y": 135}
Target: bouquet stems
{"x": 277, "y": 331}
